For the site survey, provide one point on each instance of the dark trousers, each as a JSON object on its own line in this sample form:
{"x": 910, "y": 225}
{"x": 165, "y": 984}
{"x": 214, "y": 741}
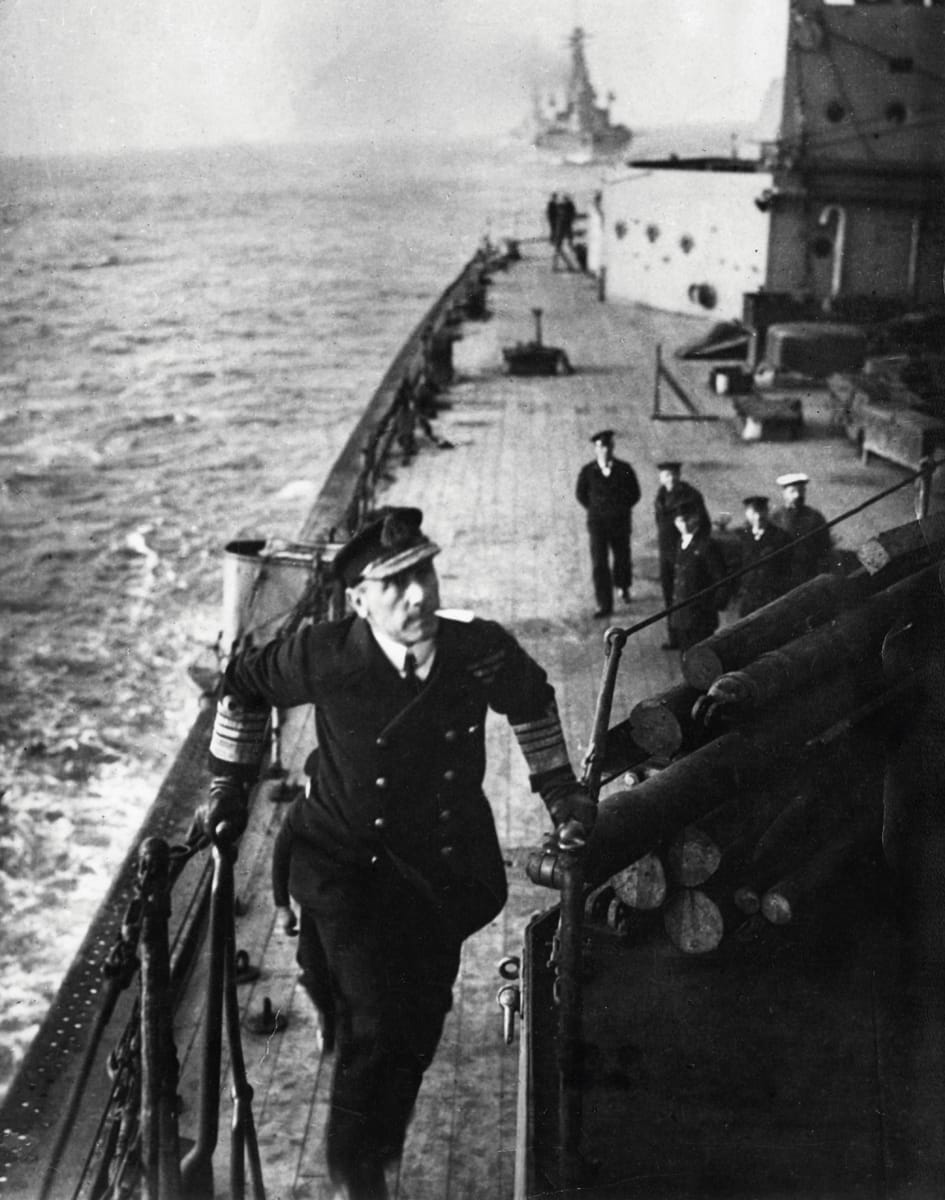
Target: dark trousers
{"x": 315, "y": 974}
{"x": 667, "y": 577}
{"x": 667, "y": 582}
{"x": 392, "y": 965}
{"x": 610, "y": 541}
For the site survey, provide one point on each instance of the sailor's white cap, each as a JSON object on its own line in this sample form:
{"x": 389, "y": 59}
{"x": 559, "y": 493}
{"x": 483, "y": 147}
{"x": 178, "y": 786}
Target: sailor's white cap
{"x": 793, "y": 477}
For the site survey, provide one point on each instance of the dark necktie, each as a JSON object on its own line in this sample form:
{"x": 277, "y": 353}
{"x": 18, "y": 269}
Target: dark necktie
{"x": 413, "y": 680}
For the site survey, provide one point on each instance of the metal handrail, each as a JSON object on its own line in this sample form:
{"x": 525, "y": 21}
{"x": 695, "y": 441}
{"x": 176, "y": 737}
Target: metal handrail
{"x": 564, "y": 869}
{"x": 165, "y": 1177}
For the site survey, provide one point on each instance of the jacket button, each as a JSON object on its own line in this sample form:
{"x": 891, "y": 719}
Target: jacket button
{"x": 379, "y": 823}
{"x": 381, "y": 741}
{"x": 446, "y": 851}
{"x": 449, "y": 776}
{"x": 473, "y": 729}
{"x": 374, "y": 860}
{"x": 451, "y": 735}
{"x": 381, "y": 781}
{"x": 445, "y": 814}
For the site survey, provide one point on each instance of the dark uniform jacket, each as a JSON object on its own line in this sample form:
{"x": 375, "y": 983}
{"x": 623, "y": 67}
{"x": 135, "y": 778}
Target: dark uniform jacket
{"x": 400, "y": 774}
{"x": 664, "y": 510}
{"x": 811, "y": 556}
{"x": 608, "y": 497}
{"x": 699, "y": 565}
{"x": 765, "y": 583}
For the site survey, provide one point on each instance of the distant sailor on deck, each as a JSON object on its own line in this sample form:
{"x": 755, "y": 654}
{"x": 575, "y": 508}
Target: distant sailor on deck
{"x": 672, "y": 490}
{"x": 551, "y": 213}
{"x": 699, "y": 566}
{"x": 811, "y": 555}
{"x": 564, "y": 235}
{"x": 608, "y": 489}
{"x": 396, "y": 859}
{"x": 767, "y": 580}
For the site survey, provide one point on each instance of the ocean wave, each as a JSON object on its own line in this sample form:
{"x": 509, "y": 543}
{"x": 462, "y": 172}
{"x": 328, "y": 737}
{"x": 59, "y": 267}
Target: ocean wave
{"x": 107, "y": 260}
{"x": 150, "y": 430}
{"x": 112, "y": 344}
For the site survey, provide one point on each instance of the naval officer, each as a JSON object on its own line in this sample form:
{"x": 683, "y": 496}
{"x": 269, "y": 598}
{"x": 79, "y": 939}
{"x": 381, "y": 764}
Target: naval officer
{"x": 699, "y": 568}
{"x": 672, "y": 491}
{"x": 761, "y": 537}
{"x": 608, "y": 489}
{"x": 811, "y": 555}
{"x": 396, "y": 860}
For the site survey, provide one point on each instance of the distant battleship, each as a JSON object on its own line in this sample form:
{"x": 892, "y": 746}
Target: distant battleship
{"x": 581, "y": 131}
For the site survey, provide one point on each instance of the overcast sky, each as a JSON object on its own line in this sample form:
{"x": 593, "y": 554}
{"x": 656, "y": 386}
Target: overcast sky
{"x": 111, "y": 74}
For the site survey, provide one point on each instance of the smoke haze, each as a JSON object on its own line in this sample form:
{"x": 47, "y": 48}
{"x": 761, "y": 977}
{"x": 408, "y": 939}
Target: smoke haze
{"x": 115, "y": 74}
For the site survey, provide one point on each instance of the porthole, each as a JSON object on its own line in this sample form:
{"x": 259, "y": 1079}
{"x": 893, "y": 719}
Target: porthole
{"x": 703, "y": 294}
{"x": 835, "y": 112}
{"x": 686, "y": 243}
{"x": 652, "y": 232}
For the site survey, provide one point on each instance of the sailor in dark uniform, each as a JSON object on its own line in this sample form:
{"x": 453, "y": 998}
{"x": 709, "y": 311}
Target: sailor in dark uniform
{"x": 608, "y": 488}
{"x": 699, "y": 565}
{"x": 396, "y": 859}
{"x": 552, "y": 209}
{"x": 767, "y": 581}
{"x": 671, "y": 491}
{"x": 811, "y": 555}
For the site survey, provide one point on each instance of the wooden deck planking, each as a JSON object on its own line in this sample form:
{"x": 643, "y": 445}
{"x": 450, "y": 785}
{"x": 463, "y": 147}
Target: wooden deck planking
{"x": 501, "y": 504}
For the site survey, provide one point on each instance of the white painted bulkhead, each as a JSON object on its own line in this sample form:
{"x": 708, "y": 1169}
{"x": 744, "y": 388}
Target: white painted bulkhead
{"x": 688, "y": 241}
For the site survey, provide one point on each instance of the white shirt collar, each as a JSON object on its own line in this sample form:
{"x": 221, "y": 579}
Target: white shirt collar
{"x": 396, "y": 653}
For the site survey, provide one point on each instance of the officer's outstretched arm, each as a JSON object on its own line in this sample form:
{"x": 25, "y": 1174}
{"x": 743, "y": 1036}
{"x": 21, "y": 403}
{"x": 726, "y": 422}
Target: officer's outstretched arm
{"x": 237, "y": 745}
{"x": 571, "y": 808}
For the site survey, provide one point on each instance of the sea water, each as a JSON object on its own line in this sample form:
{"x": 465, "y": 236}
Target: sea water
{"x": 186, "y": 341}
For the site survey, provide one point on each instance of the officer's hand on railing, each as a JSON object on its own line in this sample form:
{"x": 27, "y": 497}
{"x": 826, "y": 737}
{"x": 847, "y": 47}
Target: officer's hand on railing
{"x": 226, "y": 805}
{"x": 286, "y": 920}
{"x": 573, "y": 812}
{"x": 571, "y": 835}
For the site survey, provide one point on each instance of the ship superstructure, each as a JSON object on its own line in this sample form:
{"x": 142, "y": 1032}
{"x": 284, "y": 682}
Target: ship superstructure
{"x": 843, "y": 211}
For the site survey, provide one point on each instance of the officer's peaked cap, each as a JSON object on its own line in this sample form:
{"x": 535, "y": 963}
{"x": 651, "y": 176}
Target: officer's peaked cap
{"x": 793, "y": 477}
{"x": 686, "y": 508}
{"x": 603, "y": 435}
{"x": 756, "y": 502}
{"x": 669, "y": 465}
{"x": 390, "y": 543}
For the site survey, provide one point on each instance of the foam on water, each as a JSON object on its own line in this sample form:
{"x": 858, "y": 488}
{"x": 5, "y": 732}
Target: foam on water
{"x": 187, "y": 340}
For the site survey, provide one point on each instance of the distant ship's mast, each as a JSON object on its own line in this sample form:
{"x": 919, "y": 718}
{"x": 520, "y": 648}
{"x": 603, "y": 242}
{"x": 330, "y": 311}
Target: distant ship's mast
{"x": 582, "y": 99}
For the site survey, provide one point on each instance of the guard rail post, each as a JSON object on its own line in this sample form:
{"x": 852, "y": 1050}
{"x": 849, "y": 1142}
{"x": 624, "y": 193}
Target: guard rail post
{"x": 160, "y": 1149}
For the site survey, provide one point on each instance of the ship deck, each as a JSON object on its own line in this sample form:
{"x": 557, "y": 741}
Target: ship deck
{"x": 500, "y": 502}
{"x": 498, "y": 496}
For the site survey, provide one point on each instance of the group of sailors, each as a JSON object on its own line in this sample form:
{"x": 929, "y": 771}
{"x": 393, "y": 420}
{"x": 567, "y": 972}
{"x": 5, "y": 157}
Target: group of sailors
{"x": 783, "y": 546}
{"x": 561, "y": 213}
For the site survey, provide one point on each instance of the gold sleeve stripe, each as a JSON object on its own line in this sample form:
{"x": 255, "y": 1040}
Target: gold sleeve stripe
{"x": 542, "y": 744}
{"x": 239, "y": 734}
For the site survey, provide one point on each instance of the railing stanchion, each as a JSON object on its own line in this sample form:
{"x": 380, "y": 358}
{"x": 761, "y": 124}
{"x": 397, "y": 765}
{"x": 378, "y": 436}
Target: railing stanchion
{"x": 160, "y": 1149}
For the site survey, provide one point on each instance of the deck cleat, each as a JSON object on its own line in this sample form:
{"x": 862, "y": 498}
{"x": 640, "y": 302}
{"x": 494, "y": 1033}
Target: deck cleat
{"x": 267, "y": 1021}
{"x": 535, "y": 358}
